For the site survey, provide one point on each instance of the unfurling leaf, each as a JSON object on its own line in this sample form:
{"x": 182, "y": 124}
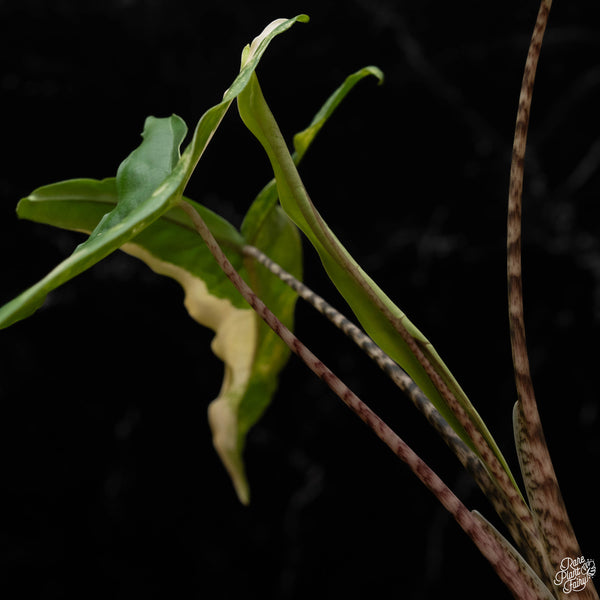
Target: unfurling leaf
{"x": 369, "y": 303}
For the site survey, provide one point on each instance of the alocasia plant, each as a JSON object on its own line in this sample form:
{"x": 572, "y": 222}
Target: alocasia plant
{"x": 143, "y": 211}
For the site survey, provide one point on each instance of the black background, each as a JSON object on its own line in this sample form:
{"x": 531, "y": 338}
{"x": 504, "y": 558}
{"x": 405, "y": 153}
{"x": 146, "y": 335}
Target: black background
{"x": 112, "y": 487}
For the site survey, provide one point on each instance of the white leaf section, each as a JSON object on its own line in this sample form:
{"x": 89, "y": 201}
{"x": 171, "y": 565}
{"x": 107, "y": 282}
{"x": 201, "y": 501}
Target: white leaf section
{"x": 234, "y": 343}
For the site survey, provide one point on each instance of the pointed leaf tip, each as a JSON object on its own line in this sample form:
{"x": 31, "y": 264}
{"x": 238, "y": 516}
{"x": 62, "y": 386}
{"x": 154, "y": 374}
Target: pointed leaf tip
{"x": 271, "y": 30}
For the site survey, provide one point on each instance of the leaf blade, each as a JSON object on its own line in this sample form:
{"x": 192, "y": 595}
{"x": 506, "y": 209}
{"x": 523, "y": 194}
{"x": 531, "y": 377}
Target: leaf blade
{"x": 252, "y": 355}
{"x": 303, "y": 139}
{"x": 115, "y": 233}
{"x": 369, "y": 303}
{"x": 107, "y": 238}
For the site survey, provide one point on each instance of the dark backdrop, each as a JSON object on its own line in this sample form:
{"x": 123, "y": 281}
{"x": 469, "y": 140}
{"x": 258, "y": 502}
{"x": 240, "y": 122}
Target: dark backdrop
{"x": 112, "y": 487}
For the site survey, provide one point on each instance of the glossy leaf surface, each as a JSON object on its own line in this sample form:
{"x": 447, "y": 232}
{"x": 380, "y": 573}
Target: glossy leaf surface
{"x": 141, "y": 207}
{"x": 369, "y": 303}
{"x": 252, "y": 354}
{"x": 136, "y": 211}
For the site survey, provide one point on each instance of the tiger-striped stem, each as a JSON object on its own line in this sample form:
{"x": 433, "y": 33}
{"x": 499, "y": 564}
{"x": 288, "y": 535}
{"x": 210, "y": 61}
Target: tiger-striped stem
{"x": 545, "y": 498}
{"x": 515, "y": 518}
{"x": 506, "y": 566}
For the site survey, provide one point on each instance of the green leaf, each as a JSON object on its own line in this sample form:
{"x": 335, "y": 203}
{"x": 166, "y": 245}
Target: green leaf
{"x": 81, "y": 204}
{"x": 134, "y": 213}
{"x": 143, "y": 171}
{"x": 252, "y": 354}
{"x": 303, "y": 139}
{"x": 369, "y": 303}
{"x": 164, "y": 189}
{"x": 171, "y": 247}
{"x": 235, "y": 411}
{"x": 126, "y": 212}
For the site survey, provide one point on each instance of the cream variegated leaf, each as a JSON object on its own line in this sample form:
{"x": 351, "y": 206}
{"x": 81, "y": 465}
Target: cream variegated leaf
{"x": 235, "y": 344}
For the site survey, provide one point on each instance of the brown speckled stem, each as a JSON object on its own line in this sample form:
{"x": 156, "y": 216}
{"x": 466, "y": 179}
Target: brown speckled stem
{"x": 503, "y": 563}
{"x": 545, "y": 498}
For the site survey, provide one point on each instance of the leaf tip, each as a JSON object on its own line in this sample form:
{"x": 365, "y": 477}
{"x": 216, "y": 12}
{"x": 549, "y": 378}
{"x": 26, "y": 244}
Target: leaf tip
{"x": 378, "y": 73}
{"x": 224, "y": 426}
{"x": 276, "y": 26}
